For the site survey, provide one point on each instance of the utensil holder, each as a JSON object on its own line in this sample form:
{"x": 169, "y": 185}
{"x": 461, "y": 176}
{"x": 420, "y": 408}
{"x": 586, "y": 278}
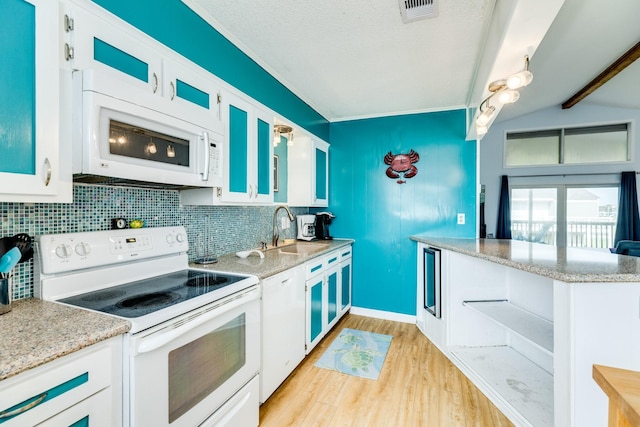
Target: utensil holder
{"x": 5, "y": 295}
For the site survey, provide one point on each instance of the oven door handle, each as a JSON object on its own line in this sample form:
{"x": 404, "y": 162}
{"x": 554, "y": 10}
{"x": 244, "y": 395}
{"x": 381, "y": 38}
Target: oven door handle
{"x": 156, "y": 341}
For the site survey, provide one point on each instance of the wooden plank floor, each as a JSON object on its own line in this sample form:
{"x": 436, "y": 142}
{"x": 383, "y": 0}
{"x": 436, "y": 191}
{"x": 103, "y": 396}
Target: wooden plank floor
{"x": 418, "y": 386}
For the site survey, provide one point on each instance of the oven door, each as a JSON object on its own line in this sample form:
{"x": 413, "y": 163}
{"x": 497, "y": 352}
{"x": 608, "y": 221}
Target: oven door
{"x": 183, "y": 371}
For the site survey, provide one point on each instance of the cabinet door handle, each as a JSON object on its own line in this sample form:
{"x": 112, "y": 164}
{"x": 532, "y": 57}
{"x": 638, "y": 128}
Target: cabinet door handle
{"x": 25, "y": 408}
{"x": 173, "y": 90}
{"x": 68, "y": 52}
{"x": 155, "y": 82}
{"x": 47, "y": 178}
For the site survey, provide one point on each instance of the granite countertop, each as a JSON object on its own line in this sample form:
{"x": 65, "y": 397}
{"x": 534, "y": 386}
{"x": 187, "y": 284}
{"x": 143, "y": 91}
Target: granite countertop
{"x": 35, "y": 332}
{"x": 572, "y": 265}
{"x": 273, "y": 262}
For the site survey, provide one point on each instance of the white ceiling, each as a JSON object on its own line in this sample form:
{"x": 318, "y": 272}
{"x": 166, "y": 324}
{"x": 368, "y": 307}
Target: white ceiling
{"x": 357, "y": 59}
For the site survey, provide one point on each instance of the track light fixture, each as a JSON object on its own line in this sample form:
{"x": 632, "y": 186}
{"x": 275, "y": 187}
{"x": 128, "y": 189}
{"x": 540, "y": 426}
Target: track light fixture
{"x": 503, "y": 91}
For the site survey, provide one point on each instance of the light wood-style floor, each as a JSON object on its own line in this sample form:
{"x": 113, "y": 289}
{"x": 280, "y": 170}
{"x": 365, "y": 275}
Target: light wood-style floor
{"x": 418, "y": 386}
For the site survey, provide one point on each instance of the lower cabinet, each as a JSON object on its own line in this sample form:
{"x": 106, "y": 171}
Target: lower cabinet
{"x": 81, "y": 389}
{"x": 299, "y": 307}
{"x": 328, "y": 289}
{"x": 283, "y": 338}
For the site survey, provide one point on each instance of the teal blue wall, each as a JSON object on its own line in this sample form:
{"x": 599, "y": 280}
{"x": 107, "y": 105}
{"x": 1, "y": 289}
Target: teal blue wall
{"x": 172, "y": 23}
{"x": 381, "y": 214}
{"x": 282, "y": 152}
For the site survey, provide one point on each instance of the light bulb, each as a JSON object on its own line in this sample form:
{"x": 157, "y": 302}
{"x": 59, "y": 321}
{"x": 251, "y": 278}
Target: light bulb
{"x": 521, "y": 79}
{"x": 170, "y": 151}
{"x": 481, "y": 130}
{"x": 507, "y": 96}
{"x": 151, "y": 148}
{"x": 122, "y": 140}
{"x": 485, "y": 117}
{"x": 276, "y": 138}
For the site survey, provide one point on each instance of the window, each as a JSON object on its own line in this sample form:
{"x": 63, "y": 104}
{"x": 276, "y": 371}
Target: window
{"x": 594, "y": 144}
{"x": 564, "y": 215}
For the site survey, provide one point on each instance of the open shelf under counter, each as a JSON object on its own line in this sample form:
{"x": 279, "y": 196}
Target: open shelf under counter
{"x": 524, "y": 389}
{"x": 529, "y": 326}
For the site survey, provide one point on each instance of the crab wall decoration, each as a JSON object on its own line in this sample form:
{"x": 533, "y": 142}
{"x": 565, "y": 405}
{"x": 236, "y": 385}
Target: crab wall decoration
{"x": 401, "y": 165}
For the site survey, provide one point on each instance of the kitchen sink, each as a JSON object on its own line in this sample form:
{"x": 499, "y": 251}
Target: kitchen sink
{"x": 303, "y": 248}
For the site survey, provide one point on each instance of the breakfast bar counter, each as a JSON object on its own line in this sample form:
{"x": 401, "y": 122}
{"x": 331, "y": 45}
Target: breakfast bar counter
{"x": 526, "y": 322}
{"x": 566, "y": 264}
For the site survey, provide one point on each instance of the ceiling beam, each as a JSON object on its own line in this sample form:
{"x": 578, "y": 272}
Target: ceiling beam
{"x": 612, "y": 70}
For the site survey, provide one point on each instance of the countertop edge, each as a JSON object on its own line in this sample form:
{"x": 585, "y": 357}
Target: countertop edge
{"x": 273, "y": 262}
{"x": 31, "y": 341}
{"x": 531, "y": 267}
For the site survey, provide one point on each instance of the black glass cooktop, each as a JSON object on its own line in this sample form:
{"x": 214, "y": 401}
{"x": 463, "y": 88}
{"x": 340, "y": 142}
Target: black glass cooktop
{"x": 135, "y": 299}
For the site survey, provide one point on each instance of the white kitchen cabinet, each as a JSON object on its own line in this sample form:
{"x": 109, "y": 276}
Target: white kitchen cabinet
{"x": 107, "y": 44}
{"x": 84, "y": 387}
{"x": 308, "y": 169}
{"x": 248, "y": 152}
{"x": 33, "y": 148}
{"x": 283, "y": 331}
{"x": 323, "y": 295}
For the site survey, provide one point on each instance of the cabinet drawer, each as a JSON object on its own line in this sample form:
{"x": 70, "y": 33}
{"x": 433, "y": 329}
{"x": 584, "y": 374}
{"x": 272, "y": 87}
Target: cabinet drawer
{"x": 91, "y": 412}
{"x": 42, "y": 392}
{"x": 314, "y": 267}
{"x": 332, "y": 259}
{"x": 345, "y": 253}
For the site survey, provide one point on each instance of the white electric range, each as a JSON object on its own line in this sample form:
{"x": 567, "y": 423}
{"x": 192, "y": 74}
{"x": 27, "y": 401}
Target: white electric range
{"x": 192, "y": 355}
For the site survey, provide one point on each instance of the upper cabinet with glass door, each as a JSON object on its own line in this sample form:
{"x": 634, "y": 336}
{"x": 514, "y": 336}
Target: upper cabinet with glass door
{"x": 105, "y": 43}
{"x": 308, "y": 165}
{"x": 32, "y": 159}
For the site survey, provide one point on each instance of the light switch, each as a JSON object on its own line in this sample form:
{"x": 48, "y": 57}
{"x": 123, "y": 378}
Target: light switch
{"x": 461, "y": 219}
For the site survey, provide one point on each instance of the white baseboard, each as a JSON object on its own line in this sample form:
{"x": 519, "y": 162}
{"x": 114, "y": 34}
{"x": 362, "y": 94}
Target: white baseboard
{"x": 385, "y": 315}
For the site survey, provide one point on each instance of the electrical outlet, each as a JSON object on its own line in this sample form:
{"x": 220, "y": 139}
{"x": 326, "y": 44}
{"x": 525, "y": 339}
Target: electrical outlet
{"x": 284, "y": 222}
{"x": 461, "y": 219}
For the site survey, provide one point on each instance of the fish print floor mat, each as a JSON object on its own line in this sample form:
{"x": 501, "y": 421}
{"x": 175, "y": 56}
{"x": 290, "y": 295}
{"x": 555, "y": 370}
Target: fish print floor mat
{"x": 357, "y": 353}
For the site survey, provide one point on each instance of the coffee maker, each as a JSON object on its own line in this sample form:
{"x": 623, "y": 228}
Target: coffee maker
{"x": 323, "y": 219}
{"x": 306, "y": 227}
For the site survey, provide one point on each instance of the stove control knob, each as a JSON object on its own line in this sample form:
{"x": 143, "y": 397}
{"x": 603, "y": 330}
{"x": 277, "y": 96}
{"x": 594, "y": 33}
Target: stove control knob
{"x": 83, "y": 249}
{"x": 63, "y": 251}
{"x": 170, "y": 239}
{"x": 179, "y": 237}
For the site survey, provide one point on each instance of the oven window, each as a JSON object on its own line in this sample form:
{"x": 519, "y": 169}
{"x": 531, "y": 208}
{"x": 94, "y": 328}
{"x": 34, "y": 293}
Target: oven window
{"x": 131, "y": 141}
{"x": 200, "y": 367}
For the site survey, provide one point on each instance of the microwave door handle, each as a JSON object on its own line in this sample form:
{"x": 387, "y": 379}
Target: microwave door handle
{"x": 156, "y": 341}
{"x": 207, "y": 155}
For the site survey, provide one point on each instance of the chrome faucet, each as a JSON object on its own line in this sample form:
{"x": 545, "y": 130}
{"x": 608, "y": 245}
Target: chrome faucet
{"x": 276, "y": 236}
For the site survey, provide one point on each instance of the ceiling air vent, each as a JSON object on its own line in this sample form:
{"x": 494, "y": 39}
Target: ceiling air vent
{"x": 415, "y": 10}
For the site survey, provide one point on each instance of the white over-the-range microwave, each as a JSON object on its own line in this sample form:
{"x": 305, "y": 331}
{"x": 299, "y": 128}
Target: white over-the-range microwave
{"x": 129, "y": 135}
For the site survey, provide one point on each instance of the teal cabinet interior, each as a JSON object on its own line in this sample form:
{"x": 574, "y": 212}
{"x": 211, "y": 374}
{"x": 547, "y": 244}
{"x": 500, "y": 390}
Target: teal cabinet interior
{"x": 31, "y": 108}
{"x": 345, "y": 281}
{"x": 120, "y": 60}
{"x": 17, "y": 103}
{"x": 238, "y": 149}
{"x": 315, "y": 325}
{"x": 264, "y": 159}
{"x": 332, "y": 296}
{"x": 321, "y": 174}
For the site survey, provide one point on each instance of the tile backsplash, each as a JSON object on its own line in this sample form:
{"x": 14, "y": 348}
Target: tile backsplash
{"x": 212, "y": 230}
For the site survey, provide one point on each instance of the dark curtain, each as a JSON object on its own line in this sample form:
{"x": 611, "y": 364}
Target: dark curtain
{"x": 628, "y": 225}
{"x": 503, "y": 230}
